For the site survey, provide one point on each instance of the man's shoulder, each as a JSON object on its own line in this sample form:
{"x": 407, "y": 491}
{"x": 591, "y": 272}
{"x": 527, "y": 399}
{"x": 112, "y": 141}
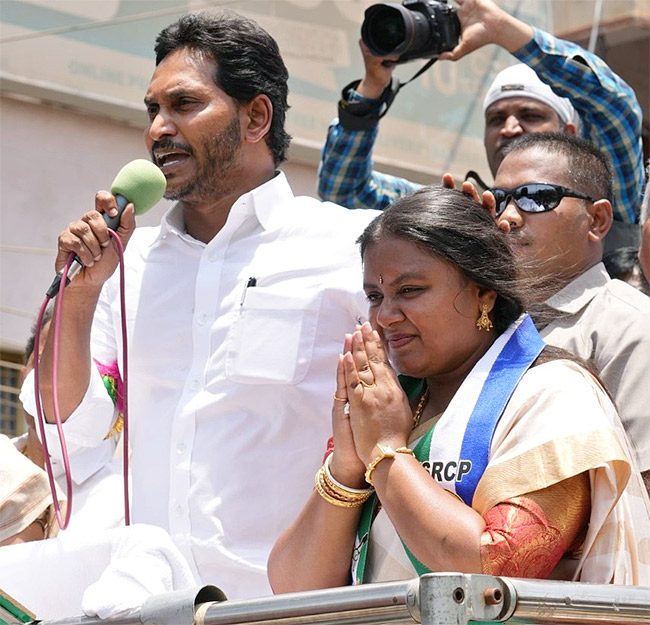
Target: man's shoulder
{"x": 619, "y": 295}
{"x": 334, "y": 210}
{"x": 326, "y": 217}
{"x": 593, "y": 290}
{"x": 597, "y": 310}
{"x": 618, "y": 315}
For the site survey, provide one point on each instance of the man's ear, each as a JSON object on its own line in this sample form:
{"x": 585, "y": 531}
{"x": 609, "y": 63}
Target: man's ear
{"x": 257, "y": 119}
{"x": 601, "y": 219}
{"x": 570, "y": 129}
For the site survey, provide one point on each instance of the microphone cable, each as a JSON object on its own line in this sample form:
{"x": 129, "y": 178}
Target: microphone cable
{"x": 63, "y": 523}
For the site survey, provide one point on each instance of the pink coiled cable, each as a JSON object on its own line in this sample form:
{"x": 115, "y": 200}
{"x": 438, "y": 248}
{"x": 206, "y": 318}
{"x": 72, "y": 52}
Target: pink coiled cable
{"x": 63, "y": 523}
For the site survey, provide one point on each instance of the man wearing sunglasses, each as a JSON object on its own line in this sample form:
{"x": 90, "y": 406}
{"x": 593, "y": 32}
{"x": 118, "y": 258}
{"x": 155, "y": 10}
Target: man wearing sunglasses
{"x": 525, "y": 98}
{"x": 552, "y": 196}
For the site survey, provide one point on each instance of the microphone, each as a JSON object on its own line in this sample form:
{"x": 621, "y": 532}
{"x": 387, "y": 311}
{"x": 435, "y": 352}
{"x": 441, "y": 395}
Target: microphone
{"x": 139, "y": 182}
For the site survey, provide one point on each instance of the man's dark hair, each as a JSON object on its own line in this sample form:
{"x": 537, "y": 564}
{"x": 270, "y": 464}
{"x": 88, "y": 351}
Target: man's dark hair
{"x": 248, "y": 63}
{"x": 451, "y": 225}
{"x": 589, "y": 170}
{"x": 29, "y": 348}
{"x": 623, "y": 264}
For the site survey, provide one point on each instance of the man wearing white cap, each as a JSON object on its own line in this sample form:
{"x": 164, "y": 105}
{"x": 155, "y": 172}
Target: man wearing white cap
{"x": 524, "y": 98}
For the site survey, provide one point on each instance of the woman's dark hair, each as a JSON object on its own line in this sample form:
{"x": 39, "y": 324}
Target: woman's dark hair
{"x": 451, "y": 225}
{"x": 248, "y": 63}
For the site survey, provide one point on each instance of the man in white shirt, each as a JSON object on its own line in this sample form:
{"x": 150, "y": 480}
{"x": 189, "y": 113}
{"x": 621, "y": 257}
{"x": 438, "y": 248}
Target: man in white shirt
{"x": 237, "y": 305}
{"x": 553, "y": 198}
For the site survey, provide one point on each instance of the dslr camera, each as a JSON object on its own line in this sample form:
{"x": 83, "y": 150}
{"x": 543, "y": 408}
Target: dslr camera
{"x": 415, "y": 29}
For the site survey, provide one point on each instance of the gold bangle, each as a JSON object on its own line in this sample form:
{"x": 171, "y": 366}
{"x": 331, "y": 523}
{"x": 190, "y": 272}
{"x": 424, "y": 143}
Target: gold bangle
{"x": 341, "y": 495}
{"x": 341, "y": 489}
{"x": 384, "y": 452}
{"x": 331, "y": 496}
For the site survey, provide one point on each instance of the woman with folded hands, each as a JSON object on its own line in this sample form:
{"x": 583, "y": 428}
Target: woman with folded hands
{"x": 490, "y": 452}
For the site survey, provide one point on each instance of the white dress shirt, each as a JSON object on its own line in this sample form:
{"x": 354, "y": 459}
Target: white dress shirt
{"x": 230, "y": 387}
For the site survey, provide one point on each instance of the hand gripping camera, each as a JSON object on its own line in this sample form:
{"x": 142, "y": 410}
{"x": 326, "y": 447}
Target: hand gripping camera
{"x": 415, "y": 29}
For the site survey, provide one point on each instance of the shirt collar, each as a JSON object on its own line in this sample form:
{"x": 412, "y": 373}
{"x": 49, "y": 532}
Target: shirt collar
{"x": 266, "y": 198}
{"x": 261, "y": 202}
{"x": 581, "y": 290}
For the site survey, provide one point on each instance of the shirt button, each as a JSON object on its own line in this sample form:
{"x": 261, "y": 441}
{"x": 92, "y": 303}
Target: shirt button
{"x": 212, "y": 257}
{"x": 195, "y": 385}
{"x": 180, "y": 449}
{"x": 178, "y": 510}
{"x": 202, "y": 320}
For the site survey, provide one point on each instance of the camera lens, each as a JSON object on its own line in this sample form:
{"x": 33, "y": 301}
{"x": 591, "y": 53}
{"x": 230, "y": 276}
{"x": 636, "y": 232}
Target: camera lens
{"x": 412, "y": 30}
{"x": 384, "y": 29}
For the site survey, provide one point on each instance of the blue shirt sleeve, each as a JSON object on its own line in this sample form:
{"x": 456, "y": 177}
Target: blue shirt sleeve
{"x": 609, "y": 111}
{"x": 345, "y": 173}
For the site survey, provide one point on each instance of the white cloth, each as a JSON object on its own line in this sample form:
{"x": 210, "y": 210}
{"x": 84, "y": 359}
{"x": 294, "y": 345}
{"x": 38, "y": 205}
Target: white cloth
{"x": 231, "y": 387}
{"x": 144, "y": 562}
{"x": 105, "y": 574}
{"x": 97, "y": 500}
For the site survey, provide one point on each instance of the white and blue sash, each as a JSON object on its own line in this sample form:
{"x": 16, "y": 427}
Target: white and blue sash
{"x": 458, "y": 454}
{"x": 459, "y": 451}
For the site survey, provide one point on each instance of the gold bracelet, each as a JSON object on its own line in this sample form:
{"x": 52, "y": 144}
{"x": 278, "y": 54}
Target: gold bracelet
{"x": 340, "y": 495}
{"x": 331, "y": 496}
{"x": 384, "y": 452}
{"x": 341, "y": 489}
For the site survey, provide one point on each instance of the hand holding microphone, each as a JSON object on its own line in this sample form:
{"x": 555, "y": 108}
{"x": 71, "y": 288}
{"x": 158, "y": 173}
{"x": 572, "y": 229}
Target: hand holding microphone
{"x": 136, "y": 188}
{"x": 139, "y": 183}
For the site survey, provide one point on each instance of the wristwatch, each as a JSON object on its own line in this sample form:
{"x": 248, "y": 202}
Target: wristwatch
{"x": 365, "y": 113}
{"x": 384, "y": 451}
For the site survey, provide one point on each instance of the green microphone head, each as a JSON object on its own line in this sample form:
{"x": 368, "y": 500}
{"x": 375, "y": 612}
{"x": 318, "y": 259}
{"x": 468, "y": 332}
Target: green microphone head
{"x": 140, "y": 182}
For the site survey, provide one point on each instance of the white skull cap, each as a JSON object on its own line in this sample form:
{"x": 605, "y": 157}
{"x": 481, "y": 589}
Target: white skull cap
{"x": 521, "y": 81}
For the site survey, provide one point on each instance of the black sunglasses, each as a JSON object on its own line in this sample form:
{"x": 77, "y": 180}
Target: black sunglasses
{"x": 534, "y": 197}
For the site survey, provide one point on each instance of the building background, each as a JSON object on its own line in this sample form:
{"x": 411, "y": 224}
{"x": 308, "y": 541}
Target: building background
{"x": 73, "y": 74}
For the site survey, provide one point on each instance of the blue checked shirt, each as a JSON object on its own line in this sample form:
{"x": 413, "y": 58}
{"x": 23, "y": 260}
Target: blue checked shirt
{"x": 608, "y": 108}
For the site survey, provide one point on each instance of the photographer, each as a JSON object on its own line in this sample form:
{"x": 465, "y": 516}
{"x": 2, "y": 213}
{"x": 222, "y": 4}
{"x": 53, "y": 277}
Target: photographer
{"x": 609, "y": 114}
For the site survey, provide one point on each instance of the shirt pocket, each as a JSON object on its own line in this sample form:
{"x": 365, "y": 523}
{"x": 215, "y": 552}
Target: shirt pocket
{"x": 272, "y": 338}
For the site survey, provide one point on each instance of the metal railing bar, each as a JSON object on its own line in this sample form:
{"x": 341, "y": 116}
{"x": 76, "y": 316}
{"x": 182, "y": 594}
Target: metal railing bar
{"x": 565, "y": 602}
{"x": 523, "y": 601}
{"x": 390, "y": 600}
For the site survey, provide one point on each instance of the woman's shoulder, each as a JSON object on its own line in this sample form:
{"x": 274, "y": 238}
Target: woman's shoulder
{"x": 562, "y": 375}
{"x": 563, "y": 394}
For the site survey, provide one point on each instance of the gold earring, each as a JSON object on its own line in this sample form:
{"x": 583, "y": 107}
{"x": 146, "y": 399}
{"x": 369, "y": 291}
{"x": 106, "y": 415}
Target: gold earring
{"x": 483, "y": 322}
